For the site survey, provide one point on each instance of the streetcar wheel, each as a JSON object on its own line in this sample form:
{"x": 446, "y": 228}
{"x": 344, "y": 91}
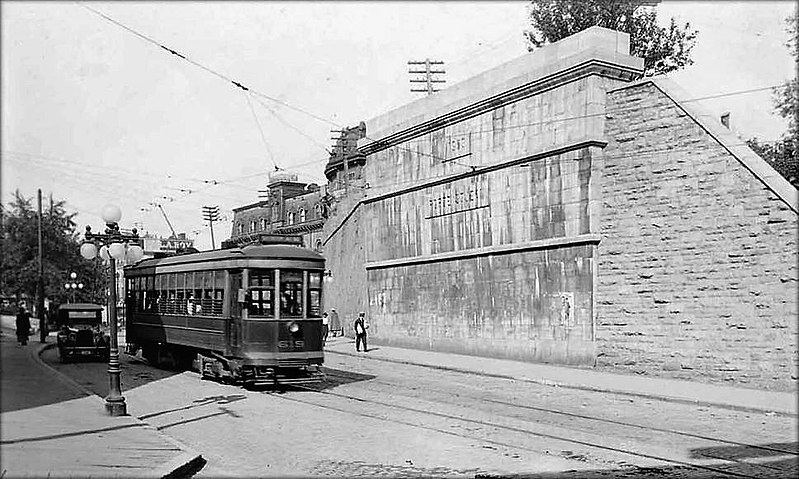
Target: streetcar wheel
{"x": 150, "y": 354}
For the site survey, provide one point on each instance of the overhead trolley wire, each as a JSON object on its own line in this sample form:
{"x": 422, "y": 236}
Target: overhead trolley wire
{"x": 260, "y": 130}
{"x": 325, "y": 120}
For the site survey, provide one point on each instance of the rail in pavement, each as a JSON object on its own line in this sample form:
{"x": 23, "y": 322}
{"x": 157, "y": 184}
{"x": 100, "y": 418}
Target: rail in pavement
{"x": 75, "y": 438}
{"x": 673, "y": 390}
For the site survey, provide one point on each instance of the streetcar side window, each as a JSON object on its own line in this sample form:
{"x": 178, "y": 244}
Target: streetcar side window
{"x": 207, "y": 292}
{"x": 150, "y": 301}
{"x": 262, "y": 293}
{"x": 290, "y": 293}
{"x": 314, "y": 294}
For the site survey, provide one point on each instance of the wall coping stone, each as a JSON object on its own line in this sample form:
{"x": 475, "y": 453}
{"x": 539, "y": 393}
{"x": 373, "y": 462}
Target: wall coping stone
{"x": 750, "y": 160}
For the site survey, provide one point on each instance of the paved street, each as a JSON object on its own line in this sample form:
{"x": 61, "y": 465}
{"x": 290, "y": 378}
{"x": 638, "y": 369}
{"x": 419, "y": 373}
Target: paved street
{"x": 21, "y": 378}
{"x": 374, "y": 418}
{"x": 53, "y": 427}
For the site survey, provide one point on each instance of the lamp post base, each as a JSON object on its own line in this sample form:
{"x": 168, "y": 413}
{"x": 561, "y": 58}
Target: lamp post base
{"x": 116, "y": 406}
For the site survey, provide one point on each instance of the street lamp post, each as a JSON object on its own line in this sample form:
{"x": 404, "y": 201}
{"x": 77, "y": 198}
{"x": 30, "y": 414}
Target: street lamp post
{"x": 114, "y": 245}
{"x": 73, "y": 285}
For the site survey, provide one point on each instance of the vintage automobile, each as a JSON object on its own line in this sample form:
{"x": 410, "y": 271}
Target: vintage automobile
{"x": 80, "y": 332}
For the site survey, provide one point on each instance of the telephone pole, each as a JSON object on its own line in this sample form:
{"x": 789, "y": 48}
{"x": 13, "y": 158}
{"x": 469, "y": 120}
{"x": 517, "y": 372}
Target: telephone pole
{"x": 40, "y": 290}
{"x": 339, "y": 147}
{"x": 428, "y": 73}
{"x": 211, "y": 214}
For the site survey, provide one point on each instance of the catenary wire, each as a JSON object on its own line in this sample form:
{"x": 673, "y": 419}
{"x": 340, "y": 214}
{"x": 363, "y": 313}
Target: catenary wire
{"x": 312, "y": 115}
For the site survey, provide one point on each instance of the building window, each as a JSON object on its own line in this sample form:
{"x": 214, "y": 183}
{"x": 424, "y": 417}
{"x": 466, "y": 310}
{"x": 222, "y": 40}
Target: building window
{"x": 240, "y": 228}
{"x": 291, "y": 218}
{"x": 263, "y": 224}
{"x": 252, "y": 226}
{"x": 302, "y": 215}
{"x": 318, "y": 246}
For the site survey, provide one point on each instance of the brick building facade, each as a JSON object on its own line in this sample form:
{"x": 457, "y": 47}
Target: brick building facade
{"x": 555, "y": 209}
{"x": 290, "y": 208}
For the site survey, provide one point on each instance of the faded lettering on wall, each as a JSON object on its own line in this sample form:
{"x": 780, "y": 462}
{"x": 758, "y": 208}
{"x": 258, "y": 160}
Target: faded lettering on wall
{"x": 461, "y": 195}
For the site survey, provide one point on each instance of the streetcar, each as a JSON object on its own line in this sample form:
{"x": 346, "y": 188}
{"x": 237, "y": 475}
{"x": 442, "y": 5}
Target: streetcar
{"x": 249, "y": 315}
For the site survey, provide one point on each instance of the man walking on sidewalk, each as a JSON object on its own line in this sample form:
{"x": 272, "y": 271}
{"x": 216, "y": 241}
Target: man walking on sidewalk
{"x": 23, "y": 326}
{"x": 325, "y": 327}
{"x": 360, "y": 332}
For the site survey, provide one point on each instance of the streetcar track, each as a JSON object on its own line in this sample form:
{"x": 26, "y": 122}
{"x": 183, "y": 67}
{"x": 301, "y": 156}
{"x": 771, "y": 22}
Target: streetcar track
{"x": 499, "y": 426}
{"x": 593, "y": 389}
{"x": 599, "y": 419}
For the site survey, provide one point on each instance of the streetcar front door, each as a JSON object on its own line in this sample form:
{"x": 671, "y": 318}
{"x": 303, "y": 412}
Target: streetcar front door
{"x": 234, "y": 330}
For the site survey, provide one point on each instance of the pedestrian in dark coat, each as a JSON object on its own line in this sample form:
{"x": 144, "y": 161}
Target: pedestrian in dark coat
{"x": 335, "y": 322}
{"x": 23, "y": 325}
{"x": 360, "y": 331}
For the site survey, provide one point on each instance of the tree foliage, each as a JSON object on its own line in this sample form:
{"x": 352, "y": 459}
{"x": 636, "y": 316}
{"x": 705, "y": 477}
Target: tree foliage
{"x": 60, "y": 254}
{"x": 784, "y": 155}
{"x": 664, "y": 49}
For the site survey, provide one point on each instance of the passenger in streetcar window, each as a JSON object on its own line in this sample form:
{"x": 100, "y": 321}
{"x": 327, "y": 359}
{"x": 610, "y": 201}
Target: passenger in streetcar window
{"x": 190, "y": 305}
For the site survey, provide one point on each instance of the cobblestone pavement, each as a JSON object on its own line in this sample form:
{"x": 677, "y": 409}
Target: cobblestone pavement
{"x": 378, "y": 419}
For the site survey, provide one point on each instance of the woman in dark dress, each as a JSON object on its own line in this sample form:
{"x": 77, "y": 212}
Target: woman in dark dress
{"x": 23, "y": 326}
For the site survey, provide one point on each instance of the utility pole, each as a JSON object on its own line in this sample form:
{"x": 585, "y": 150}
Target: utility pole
{"x": 340, "y": 148}
{"x": 40, "y": 293}
{"x": 211, "y": 214}
{"x": 428, "y": 73}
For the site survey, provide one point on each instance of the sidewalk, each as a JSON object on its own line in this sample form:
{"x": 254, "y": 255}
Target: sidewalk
{"x": 75, "y": 438}
{"x": 586, "y": 379}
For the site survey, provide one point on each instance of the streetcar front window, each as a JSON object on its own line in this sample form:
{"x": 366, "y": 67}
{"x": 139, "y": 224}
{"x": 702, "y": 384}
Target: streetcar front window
{"x": 262, "y": 293}
{"x": 290, "y": 293}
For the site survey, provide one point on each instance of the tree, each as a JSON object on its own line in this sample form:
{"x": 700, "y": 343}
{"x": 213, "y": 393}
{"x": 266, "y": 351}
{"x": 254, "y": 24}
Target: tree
{"x": 60, "y": 254}
{"x": 781, "y": 156}
{"x": 784, "y": 155}
{"x": 664, "y": 49}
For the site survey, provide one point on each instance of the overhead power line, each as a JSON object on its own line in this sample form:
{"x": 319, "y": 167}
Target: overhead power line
{"x": 312, "y": 115}
{"x": 203, "y": 67}
{"x": 260, "y": 130}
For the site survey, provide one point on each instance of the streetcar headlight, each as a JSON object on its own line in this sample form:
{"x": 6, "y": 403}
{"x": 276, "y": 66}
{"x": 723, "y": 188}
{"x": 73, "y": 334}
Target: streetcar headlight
{"x": 294, "y": 327}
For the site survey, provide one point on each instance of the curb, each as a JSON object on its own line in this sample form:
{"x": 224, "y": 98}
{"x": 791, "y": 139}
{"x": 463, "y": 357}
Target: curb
{"x": 581, "y": 387}
{"x": 186, "y": 465}
{"x": 37, "y": 358}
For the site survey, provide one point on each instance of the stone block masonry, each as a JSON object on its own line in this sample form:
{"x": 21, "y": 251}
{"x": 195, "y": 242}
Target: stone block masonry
{"x": 697, "y": 265}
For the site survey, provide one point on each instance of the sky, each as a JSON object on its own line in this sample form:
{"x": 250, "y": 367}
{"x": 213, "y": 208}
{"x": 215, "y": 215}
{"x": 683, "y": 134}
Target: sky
{"x": 94, "y": 114}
